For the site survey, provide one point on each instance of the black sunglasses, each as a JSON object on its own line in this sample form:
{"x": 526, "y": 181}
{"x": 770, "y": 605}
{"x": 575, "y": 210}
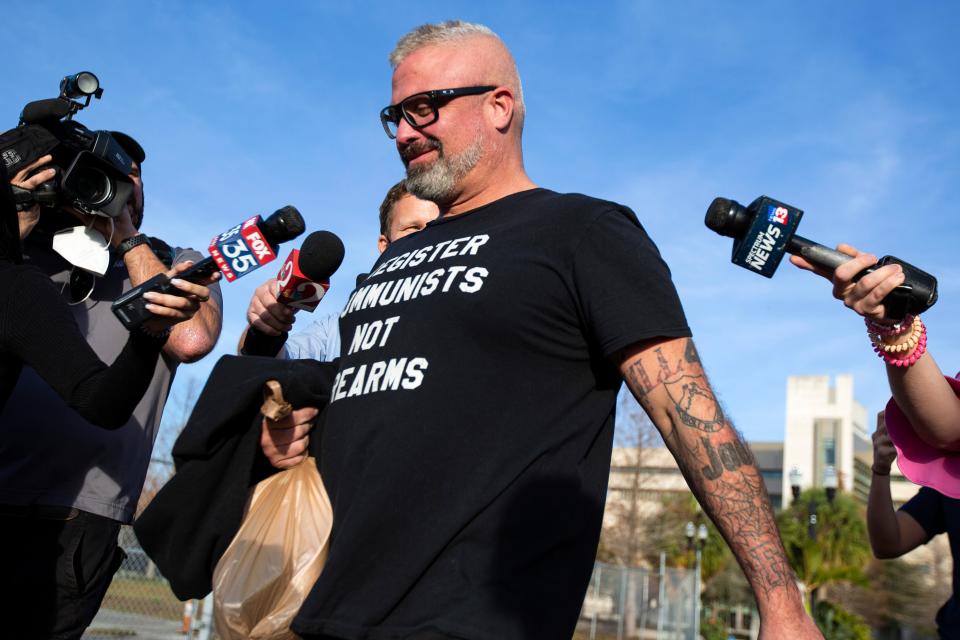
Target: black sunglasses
{"x": 423, "y": 109}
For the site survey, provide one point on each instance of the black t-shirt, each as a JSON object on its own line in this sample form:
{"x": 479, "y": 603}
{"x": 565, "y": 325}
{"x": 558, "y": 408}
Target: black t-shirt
{"x": 937, "y": 514}
{"x": 467, "y": 446}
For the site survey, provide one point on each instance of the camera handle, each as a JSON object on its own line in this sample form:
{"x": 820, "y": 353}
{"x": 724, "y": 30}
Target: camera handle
{"x": 44, "y": 195}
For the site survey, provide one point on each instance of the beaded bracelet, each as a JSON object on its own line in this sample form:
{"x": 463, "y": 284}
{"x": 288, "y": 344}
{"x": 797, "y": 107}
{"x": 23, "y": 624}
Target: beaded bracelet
{"x": 921, "y": 348}
{"x": 916, "y": 330}
{"x": 890, "y": 329}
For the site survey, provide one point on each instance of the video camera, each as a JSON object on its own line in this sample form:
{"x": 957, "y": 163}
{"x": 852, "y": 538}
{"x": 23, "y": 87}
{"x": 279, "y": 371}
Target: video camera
{"x": 92, "y": 168}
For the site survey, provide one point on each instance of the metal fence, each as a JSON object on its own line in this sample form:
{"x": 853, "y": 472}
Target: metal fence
{"x": 621, "y": 603}
{"x": 624, "y": 602}
{"x": 140, "y": 604}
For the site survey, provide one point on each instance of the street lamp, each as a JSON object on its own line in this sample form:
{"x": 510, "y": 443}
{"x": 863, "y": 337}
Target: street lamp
{"x": 796, "y": 479}
{"x": 830, "y": 482}
{"x": 696, "y": 539}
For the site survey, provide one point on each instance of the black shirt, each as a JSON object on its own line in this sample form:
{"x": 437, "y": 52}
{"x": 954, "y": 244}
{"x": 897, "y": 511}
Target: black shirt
{"x": 937, "y": 514}
{"x": 467, "y": 445}
{"x": 37, "y": 328}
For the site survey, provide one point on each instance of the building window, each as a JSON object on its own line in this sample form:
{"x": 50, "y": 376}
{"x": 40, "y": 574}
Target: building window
{"x": 826, "y": 434}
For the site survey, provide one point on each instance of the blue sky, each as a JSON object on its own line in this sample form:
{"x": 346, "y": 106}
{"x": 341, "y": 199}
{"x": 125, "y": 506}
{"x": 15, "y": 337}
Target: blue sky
{"x": 845, "y": 110}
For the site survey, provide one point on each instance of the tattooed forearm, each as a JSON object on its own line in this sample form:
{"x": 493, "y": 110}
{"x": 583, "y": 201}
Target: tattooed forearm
{"x": 686, "y": 386}
{"x": 669, "y": 382}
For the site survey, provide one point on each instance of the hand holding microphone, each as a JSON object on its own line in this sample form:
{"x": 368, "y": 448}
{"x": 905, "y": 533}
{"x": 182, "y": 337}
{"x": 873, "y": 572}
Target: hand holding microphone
{"x": 235, "y": 253}
{"x": 867, "y": 294}
{"x": 266, "y": 314}
{"x": 301, "y": 283}
{"x": 766, "y": 229}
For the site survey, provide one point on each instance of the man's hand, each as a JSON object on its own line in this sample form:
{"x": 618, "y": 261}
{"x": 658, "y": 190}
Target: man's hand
{"x": 171, "y": 309}
{"x": 265, "y": 314}
{"x": 285, "y": 441}
{"x": 884, "y": 453}
{"x": 23, "y": 179}
{"x": 866, "y": 295}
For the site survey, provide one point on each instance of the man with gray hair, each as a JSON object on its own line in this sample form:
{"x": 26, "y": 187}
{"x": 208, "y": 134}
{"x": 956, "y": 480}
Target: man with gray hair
{"x": 466, "y": 448}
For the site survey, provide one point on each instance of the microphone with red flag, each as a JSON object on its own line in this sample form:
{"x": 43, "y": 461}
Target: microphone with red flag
{"x": 301, "y": 284}
{"x": 305, "y": 275}
{"x": 235, "y": 252}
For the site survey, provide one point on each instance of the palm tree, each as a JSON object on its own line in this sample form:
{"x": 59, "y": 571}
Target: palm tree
{"x": 840, "y": 551}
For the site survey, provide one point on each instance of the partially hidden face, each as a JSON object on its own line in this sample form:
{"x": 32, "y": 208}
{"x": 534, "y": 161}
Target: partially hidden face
{"x": 410, "y": 215}
{"x": 135, "y": 202}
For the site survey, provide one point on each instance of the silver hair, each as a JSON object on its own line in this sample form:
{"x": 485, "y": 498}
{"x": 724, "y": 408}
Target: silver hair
{"x": 452, "y": 31}
{"x": 437, "y": 33}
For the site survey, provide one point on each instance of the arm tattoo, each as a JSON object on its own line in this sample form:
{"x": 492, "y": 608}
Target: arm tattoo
{"x": 690, "y": 394}
{"x": 718, "y": 466}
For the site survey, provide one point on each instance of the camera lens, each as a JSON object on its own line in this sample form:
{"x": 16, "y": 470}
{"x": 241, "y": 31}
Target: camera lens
{"x": 87, "y": 83}
{"x": 80, "y": 85}
{"x": 92, "y": 186}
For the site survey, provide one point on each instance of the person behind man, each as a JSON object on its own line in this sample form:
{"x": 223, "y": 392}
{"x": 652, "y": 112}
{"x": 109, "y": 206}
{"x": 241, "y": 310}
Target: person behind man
{"x": 66, "y": 486}
{"x": 466, "y": 448}
{"x": 400, "y": 215}
{"x": 895, "y": 532}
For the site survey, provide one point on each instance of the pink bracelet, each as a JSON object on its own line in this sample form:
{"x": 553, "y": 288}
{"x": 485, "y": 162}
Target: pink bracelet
{"x": 910, "y": 360}
{"x": 886, "y": 330}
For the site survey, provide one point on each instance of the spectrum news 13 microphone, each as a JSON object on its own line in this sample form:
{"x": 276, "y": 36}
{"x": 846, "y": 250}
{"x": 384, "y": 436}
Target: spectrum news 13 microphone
{"x": 301, "y": 284}
{"x": 766, "y": 229}
{"x": 235, "y": 252}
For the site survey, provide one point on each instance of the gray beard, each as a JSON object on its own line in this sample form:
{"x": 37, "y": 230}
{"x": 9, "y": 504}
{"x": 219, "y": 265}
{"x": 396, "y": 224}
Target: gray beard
{"x": 438, "y": 181}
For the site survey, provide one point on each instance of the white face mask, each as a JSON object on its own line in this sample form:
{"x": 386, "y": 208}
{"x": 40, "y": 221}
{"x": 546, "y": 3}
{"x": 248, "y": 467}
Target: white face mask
{"x": 83, "y": 247}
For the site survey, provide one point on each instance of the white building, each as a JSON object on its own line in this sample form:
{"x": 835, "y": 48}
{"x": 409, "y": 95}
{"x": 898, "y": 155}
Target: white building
{"x": 825, "y": 426}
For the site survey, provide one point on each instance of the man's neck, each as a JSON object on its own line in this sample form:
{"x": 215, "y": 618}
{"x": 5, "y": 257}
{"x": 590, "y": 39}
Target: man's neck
{"x": 502, "y": 182}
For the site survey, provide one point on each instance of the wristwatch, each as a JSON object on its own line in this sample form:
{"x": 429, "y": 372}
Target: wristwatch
{"x": 133, "y": 241}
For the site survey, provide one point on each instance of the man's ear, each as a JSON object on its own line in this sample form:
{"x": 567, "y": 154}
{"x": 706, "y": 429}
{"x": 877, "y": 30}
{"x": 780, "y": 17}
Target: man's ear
{"x": 501, "y": 108}
{"x": 382, "y": 243}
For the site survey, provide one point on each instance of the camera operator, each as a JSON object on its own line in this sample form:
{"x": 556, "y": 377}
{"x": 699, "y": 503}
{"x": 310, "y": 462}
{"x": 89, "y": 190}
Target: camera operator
{"x": 65, "y": 488}
{"x": 36, "y": 326}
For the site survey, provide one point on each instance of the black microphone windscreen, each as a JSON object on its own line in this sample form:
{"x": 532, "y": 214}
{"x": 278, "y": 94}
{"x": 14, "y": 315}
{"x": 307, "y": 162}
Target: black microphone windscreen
{"x": 728, "y": 218}
{"x": 40, "y": 110}
{"x": 282, "y": 225}
{"x": 717, "y": 214}
{"x": 320, "y": 255}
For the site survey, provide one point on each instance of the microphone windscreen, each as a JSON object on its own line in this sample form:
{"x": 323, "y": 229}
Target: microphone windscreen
{"x": 40, "y": 110}
{"x": 717, "y": 214}
{"x": 320, "y": 255}
{"x": 282, "y": 225}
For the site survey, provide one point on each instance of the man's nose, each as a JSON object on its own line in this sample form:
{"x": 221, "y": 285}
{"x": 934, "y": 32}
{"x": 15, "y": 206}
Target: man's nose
{"x": 406, "y": 133}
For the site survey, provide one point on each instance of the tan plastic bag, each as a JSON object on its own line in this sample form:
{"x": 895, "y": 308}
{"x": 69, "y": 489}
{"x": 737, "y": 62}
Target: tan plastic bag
{"x": 276, "y": 557}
